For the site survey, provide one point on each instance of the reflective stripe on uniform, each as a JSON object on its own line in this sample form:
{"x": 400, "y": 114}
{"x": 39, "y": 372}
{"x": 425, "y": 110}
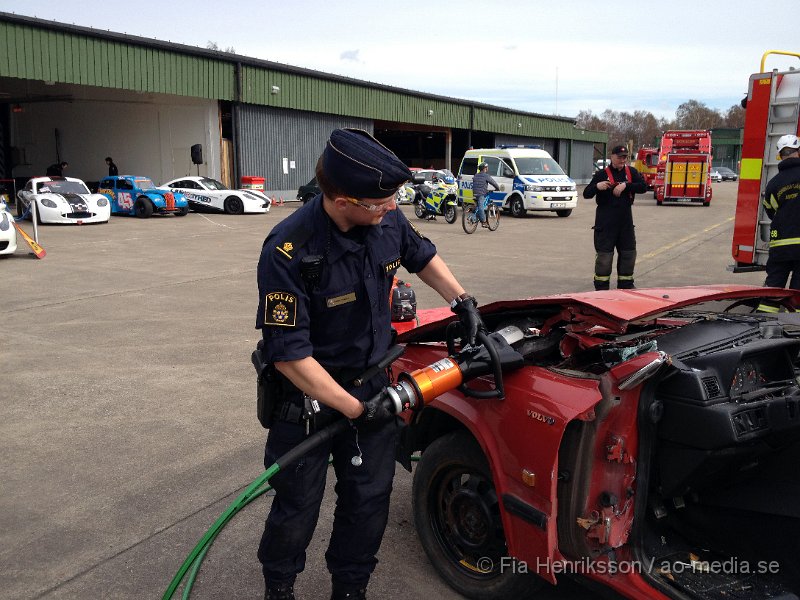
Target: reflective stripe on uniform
{"x": 624, "y": 277}
{"x": 602, "y": 277}
{"x": 786, "y": 242}
{"x": 767, "y": 308}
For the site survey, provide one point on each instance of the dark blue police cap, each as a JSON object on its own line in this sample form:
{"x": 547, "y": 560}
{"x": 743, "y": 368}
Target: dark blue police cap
{"x": 359, "y": 165}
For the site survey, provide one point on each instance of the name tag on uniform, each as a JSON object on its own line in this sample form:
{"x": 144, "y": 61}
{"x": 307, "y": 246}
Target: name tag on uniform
{"x": 339, "y": 300}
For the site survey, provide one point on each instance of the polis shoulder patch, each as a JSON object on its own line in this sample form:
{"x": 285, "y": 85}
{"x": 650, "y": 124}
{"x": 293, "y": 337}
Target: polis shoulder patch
{"x": 280, "y": 308}
{"x": 417, "y": 231}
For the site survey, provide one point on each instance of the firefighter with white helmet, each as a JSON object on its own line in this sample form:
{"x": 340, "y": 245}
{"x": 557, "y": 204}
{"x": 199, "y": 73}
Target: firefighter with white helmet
{"x": 782, "y": 204}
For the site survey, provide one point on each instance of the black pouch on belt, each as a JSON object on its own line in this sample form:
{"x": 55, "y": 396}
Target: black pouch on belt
{"x": 268, "y": 390}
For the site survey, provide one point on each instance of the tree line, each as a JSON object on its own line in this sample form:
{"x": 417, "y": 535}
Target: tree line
{"x": 643, "y": 129}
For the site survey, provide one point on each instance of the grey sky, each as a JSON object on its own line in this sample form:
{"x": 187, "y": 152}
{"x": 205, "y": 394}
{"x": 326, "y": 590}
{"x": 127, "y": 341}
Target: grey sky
{"x": 545, "y": 57}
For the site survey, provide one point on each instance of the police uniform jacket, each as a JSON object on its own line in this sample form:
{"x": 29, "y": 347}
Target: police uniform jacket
{"x": 612, "y": 210}
{"x": 344, "y": 319}
{"x": 782, "y": 203}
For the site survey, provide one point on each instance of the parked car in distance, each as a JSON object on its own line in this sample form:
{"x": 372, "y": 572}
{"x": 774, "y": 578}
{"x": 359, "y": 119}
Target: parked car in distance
{"x": 206, "y": 194}
{"x": 726, "y": 173}
{"x": 715, "y": 175}
{"x": 62, "y": 200}
{"x": 138, "y": 195}
{"x": 8, "y": 233}
{"x": 308, "y": 191}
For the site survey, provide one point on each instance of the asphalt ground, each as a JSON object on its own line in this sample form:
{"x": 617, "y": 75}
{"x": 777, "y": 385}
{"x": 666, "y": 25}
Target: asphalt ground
{"x": 127, "y": 420}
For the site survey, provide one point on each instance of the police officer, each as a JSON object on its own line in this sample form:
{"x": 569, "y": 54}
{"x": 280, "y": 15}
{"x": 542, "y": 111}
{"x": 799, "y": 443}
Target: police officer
{"x": 615, "y": 188}
{"x": 324, "y": 279}
{"x": 782, "y": 204}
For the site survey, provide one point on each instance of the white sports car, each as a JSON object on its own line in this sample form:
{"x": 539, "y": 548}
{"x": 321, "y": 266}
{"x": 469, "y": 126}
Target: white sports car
{"x": 206, "y": 194}
{"x": 8, "y": 233}
{"x": 63, "y": 200}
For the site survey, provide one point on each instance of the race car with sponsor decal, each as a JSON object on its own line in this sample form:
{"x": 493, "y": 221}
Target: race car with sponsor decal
{"x": 62, "y": 200}
{"x": 528, "y": 177}
{"x": 138, "y": 195}
{"x": 209, "y": 195}
{"x": 8, "y": 233}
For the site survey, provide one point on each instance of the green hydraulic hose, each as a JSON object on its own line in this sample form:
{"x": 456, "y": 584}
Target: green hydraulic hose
{"x": 252, "y": 492}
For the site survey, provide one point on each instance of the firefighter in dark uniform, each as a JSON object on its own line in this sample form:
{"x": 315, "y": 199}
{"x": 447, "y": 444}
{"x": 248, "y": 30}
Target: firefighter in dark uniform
{"x": 782, "y": 204}
{"x": 615, "y": 188}
{"x": 324, "y": 280}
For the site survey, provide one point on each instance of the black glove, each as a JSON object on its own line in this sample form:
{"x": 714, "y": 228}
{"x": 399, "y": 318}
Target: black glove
{"x": 466, "y": 307}
{"x": 376, "y": 410}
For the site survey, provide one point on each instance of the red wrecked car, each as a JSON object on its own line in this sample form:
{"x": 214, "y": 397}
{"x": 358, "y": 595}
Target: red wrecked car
{"x": 650, "y": 445}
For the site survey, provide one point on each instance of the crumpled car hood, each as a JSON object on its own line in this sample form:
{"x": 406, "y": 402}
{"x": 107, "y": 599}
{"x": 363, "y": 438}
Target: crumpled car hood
{"x": 613, "y": 309}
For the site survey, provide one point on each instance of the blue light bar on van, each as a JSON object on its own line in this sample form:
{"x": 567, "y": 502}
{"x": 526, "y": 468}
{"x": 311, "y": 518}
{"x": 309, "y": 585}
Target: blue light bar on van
{"x": 506, "y": 146}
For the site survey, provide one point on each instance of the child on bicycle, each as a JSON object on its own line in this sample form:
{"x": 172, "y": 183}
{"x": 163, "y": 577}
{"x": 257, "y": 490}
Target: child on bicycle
{"x": 480, "y": 187}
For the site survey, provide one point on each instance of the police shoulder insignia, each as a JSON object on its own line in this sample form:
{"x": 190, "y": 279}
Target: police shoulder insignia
{"x": 417, "y": 231}
{"x": 280, "y": 308}
{"x": 285, "y": 249}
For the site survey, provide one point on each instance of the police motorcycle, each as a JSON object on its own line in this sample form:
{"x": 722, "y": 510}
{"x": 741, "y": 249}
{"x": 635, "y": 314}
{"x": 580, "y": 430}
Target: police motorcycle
{"x": 439, "y": 198}
{"x": 406, "y": 194}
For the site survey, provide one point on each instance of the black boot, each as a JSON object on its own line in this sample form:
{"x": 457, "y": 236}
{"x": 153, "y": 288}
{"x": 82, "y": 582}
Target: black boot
{"x": 349, "y": 592}
{"x": 280, "y": 591}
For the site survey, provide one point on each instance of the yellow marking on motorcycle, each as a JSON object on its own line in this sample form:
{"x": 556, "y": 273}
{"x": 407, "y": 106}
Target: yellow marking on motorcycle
{"x": 686, "y": 239}
{"x": 751, "y": 169}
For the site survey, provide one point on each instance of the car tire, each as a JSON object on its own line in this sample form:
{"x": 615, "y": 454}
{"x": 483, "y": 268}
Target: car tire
{"x": 457, "y": 517}
{"x": 233, "y": 205}
{"x": 517, "y": 207}
{"x": 143, "y": 208}
{"x": 182, "y": 211}
{"x": 564, "y": 213}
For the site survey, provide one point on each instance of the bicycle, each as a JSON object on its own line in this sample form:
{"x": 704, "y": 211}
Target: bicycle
{"x": 469, "y": 218}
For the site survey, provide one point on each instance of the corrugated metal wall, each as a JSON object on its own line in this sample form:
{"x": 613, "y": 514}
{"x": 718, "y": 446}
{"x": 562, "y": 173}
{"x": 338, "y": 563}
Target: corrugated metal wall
{"x": 582, "y": 162}
{"x": 64, "y": 57}
{"x": 268, "y": 136}
{"x": 295, "y": 90}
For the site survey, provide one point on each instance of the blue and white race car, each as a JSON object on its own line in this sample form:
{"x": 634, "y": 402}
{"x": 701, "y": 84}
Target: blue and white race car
{"x": 64, "y": 200}
{"x": 8, "y": 233}
{"x": 206, "y": 194}
{"x": 137, "y": 195}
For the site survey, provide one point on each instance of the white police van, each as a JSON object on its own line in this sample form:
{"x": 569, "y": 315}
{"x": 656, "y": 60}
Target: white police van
{"x": 528, "y": 177}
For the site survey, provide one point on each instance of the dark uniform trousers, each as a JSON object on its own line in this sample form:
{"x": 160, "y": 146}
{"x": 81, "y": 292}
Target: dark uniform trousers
{"x": 608, "y": 237}
{"x": 362, "y": 498}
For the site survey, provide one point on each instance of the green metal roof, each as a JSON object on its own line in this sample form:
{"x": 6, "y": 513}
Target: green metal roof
{"x": 48, "y": 51}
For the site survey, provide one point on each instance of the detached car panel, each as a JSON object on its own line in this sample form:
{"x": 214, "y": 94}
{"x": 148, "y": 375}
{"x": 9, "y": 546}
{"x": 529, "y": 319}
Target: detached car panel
{"x": 651, "y": 437}
{"x": 209, "y": 195}
{"x": 138, "y": 195}
{"x": 62, "y": 200}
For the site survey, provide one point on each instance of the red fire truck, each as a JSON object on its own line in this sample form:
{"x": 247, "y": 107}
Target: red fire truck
{"x": 683, "y": 166}
{"x": 771, "y": 110}
{"x": 646, "y": 163}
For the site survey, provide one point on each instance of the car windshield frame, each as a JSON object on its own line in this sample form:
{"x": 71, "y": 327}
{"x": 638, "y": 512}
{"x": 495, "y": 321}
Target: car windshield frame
{"x": 212, "y": 184}
{"x": 63, "y": 187}
{"x": 143, "y": 183}
{"x": 537, "y": 165}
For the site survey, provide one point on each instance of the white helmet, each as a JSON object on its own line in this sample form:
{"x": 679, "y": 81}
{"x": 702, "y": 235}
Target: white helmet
{"x": 788, "y": 141}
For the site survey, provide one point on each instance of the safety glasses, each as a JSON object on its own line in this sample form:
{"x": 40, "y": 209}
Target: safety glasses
{"x": 373, "y": 208}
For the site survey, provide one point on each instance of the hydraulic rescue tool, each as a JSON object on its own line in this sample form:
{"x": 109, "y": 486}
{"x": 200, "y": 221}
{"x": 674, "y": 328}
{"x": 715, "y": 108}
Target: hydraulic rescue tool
{"x": 493, "y": 355}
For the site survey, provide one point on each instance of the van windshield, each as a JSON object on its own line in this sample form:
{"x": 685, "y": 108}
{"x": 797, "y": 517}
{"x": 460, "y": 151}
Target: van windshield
{"x": 537, "y": 166}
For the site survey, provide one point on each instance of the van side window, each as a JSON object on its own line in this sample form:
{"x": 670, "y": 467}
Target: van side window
{"x": 494, "y": 165}
{"x": 469, "y": 166}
